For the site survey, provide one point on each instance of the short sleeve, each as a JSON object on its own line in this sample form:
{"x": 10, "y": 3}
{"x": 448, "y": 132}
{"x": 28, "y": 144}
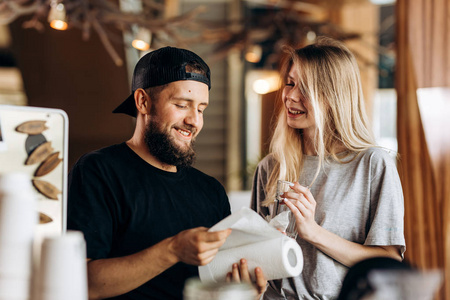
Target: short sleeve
{"x": 387, "y": 205}
{"x": 88, "y": 209}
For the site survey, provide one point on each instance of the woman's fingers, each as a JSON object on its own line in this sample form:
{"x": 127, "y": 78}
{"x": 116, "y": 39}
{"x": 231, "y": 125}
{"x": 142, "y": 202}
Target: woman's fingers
{"x": 295, "y": 198}
{"x": 298, "y": 191}
{"x": 305, "y": 191}
{"x": 305, "y": 207}
{"x": 303, "y": 202}
{"x": 296, "y": 209}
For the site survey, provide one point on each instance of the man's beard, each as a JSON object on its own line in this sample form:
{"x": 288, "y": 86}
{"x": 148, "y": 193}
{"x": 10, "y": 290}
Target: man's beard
{"x": 163, "y": 147}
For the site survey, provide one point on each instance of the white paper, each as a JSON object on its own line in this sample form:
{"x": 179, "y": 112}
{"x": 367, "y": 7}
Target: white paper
{"x": 281, "y": 221}
{"x": 259, "y": 243}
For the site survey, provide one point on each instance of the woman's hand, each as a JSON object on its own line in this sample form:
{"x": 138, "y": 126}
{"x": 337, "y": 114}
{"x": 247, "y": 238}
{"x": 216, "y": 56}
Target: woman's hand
{"x": 303, "y": 205}
{"x": 240, "y": 273}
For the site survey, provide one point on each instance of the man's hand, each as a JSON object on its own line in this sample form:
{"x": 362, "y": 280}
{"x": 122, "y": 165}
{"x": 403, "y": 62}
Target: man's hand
{"x": 197, "y": 246}
{"x": 240, "y": 273}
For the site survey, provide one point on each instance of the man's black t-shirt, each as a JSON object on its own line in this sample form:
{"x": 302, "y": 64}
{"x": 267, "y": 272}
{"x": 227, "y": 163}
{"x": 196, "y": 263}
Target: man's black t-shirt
{"x": 123, "y": 205}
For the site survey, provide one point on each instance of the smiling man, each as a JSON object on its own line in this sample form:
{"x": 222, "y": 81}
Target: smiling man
{"x": 143, "y": 209}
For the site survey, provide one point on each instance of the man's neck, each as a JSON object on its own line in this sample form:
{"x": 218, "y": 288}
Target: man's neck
{"x": 141, "y": 149}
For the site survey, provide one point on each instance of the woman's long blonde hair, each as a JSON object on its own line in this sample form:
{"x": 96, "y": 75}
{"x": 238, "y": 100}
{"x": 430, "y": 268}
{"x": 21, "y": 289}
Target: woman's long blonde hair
{"x": 329, "y": 79}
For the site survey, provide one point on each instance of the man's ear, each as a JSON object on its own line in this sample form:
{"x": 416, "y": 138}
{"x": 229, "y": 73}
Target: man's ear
{"x": 142, "y": 101}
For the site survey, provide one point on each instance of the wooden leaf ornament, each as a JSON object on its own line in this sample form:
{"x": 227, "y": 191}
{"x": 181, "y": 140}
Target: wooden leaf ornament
{"x": 32, "y": 127}
{"x": 48, "y": 165}
{"x": 39, "y": 154}
{"x": 44, "y": 219}
{"x": 46, "y": 188}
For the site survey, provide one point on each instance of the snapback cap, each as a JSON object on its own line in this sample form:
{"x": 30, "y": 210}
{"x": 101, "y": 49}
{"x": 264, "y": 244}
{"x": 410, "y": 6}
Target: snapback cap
{"x": 160, "y": 67}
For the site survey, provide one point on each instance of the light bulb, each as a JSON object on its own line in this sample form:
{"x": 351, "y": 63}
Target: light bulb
{"x": 311, "y": 36}
{"x": 142, "y": 39}
{"x": 57, "y": 17}
{"x": 266, "y": 82}
{"x": 382, "y": 2}
{"x": 261, "y": 86}
{"x": 253, "y": 54}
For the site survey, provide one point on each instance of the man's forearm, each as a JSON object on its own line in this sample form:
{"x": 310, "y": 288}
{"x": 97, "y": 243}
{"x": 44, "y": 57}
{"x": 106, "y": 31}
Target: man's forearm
{"x": 116, "y": 276}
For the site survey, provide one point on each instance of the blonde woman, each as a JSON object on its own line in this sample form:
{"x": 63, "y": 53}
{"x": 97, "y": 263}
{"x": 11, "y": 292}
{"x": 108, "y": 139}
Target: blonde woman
{"x": 347, "y": 198}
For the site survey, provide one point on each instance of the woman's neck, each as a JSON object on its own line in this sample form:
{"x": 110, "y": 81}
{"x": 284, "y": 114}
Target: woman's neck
{"x": 309, "y": 147}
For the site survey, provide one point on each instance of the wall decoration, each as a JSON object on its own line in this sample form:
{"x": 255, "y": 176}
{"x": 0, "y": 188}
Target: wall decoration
{"x": 39, "y": 153}
{"x": 32, "y": 127}
{"x": 48, "y": 165}
{"x": 46, "y": 188}
{"x": 36, "y": 141}
{"x": 44, "y": 219}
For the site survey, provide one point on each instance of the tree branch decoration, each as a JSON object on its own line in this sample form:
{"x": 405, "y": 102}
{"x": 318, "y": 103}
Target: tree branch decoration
{"x": 97, "y": 15}
{"x": 264, "y": 23}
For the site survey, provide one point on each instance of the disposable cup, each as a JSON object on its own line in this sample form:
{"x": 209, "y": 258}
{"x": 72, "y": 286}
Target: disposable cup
{"x": 16, "y": 260}
{"x": 14, "y": 288}
{"x": 62, "y": 272}
{"x": 18, "y": 209}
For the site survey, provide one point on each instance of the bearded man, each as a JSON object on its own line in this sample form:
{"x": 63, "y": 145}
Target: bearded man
{"x": 143, "y": 209}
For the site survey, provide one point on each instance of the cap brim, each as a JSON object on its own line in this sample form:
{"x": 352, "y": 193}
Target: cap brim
{"x": 127, "y": 107}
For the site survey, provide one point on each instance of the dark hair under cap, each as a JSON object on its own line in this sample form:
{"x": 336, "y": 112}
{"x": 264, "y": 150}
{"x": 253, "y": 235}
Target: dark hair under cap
{"x": 160, "y": 67}
{"x": 356, "y": 285}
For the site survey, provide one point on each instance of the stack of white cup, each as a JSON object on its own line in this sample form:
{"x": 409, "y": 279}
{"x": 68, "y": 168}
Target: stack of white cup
{"x": 62, "y": 271}
{"x": 18, "y": 220}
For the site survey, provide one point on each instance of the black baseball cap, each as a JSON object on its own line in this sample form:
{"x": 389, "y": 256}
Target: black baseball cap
{"x": 160, "y": 67}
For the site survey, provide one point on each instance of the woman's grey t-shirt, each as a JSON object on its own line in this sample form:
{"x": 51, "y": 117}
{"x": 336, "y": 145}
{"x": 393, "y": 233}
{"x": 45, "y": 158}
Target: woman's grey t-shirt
{"x": 360, "y": 201}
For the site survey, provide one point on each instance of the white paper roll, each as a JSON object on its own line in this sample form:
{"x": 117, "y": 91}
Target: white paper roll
{"x": 259, "y": 243}
{"x": 278, "y": 258}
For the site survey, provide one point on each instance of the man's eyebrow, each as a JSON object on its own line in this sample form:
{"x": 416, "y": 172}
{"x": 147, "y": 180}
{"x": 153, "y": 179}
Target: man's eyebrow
{"x": 188, "y": 100}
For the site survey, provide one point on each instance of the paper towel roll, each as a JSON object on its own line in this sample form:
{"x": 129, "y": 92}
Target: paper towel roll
{"x": 278, "y": 258}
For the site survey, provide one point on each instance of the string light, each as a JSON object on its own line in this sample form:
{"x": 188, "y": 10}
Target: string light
{"x": 383, "y": 2}
{"x": 267, "y": 82}
{"x": 57, "y": 16}
{"x": 261, "y": 86}
{"x": 253, "y": 54}
{"x": 311, "y": 36}
{"x": 142, "y": 39}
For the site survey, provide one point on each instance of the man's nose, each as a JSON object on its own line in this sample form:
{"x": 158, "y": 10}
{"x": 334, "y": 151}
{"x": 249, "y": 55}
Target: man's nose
{"x": 193, "y": 117}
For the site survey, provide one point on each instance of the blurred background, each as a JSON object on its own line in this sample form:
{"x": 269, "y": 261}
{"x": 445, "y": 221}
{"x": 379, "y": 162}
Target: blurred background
{"x": 79, "y": 55}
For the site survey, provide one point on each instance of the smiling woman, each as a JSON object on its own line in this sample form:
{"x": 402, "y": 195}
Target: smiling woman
{"x": 299, "y": 109}
{"x": 323, "y": 144}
